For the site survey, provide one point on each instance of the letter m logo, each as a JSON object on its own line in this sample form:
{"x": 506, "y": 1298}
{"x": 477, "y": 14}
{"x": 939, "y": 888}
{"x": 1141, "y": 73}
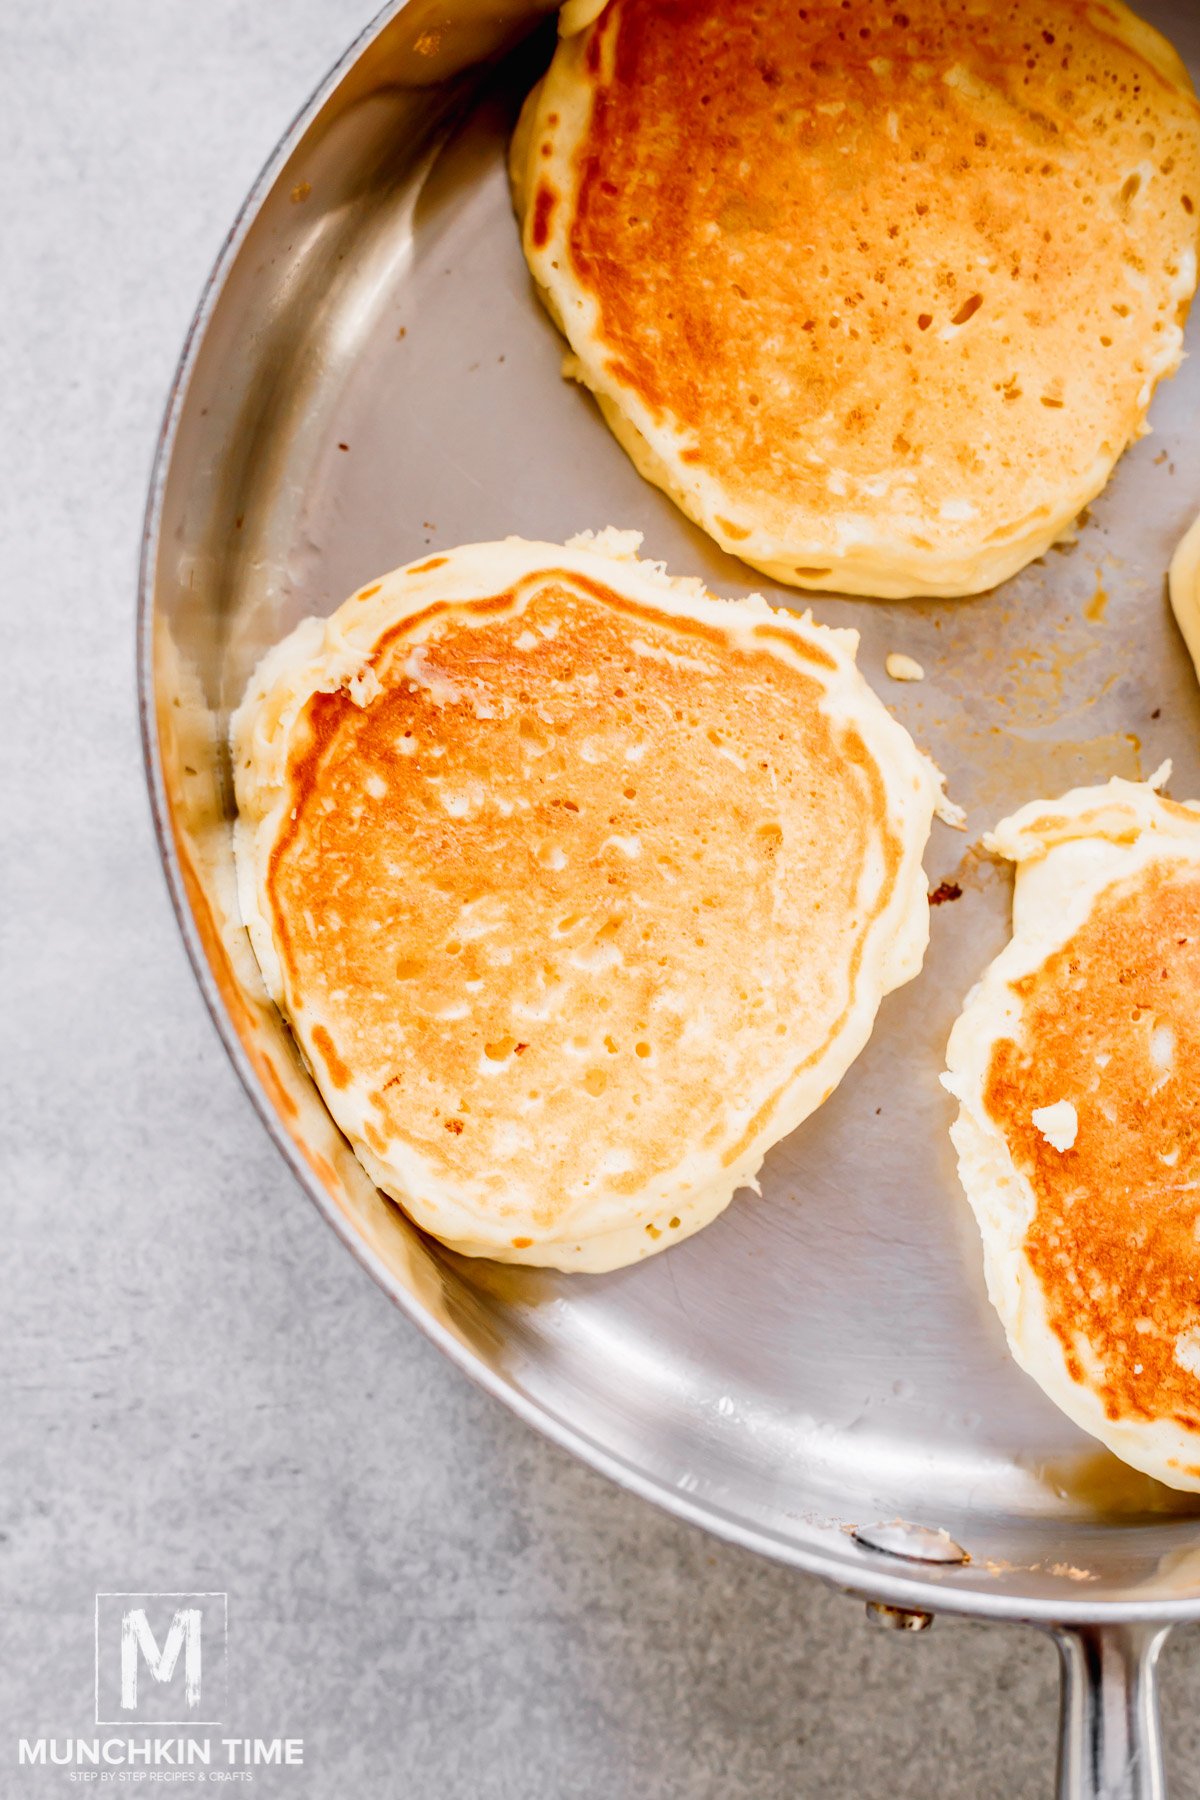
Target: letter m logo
{"x": 138, "y": 1643}
{"x": 160, "y": 1658}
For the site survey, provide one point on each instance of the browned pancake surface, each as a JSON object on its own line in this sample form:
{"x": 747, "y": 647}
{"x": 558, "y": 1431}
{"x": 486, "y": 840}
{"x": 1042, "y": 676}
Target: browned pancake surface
{"x": 1114, "y": 1241}
{"x": 866, "y": 237}
{"x": 578, "y": 876}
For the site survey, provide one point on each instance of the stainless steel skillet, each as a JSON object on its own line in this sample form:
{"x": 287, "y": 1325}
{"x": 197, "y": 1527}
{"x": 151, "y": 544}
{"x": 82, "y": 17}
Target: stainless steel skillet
{"x": 818, "y": 1376}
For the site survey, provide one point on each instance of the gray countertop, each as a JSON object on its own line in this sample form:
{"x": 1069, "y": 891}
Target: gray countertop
{"x": 203, "y": 1391}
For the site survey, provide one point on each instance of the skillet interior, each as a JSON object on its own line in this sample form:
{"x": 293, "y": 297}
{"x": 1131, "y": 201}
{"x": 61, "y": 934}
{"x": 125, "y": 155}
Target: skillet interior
{"x": 371, "y": 376}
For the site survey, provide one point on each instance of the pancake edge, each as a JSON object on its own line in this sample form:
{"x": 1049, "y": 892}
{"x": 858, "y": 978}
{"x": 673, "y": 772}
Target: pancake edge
{"x": 1066, "y": 852}
{"x": 1183, "y": 587}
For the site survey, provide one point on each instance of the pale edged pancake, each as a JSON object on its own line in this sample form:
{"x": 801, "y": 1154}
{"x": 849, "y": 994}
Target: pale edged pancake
{"x": 579, "y": 887}
{"x": 878, "y": 293}
{"x": 1076, "y": 1062}
{"x": 1183, "y": 586}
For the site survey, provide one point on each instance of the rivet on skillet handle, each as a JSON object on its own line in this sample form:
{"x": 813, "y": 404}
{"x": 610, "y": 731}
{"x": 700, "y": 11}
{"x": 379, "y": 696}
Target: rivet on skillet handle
{"x": 896, "y": 1618}
{"x": 916, "y": 1543}
{"x": 1110, "y": 1738}
{"x": 1110, "y": 1747}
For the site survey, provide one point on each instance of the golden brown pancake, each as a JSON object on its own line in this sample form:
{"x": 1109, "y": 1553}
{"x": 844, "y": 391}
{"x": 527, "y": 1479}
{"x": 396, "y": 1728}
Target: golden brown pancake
{"x": 1077, "y": 1062}
{"x": 579, "y": 887}
{"x": 877, "y": 293}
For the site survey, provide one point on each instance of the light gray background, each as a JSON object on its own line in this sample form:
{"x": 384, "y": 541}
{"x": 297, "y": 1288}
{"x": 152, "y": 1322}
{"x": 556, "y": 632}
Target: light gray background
{"x": 200, "y": 1388}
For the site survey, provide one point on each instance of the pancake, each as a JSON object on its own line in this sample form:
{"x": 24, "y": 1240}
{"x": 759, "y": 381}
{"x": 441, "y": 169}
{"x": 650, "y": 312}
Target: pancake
{"x": 1075, "y": 1062}
{"x": 1183, "y": 585}
{"x": 579, "y": 887}
{"x": 878, "y": 297}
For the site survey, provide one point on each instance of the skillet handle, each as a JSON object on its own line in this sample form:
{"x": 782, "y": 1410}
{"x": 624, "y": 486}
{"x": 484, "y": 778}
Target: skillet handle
{"x": 1110, "y": 1743}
